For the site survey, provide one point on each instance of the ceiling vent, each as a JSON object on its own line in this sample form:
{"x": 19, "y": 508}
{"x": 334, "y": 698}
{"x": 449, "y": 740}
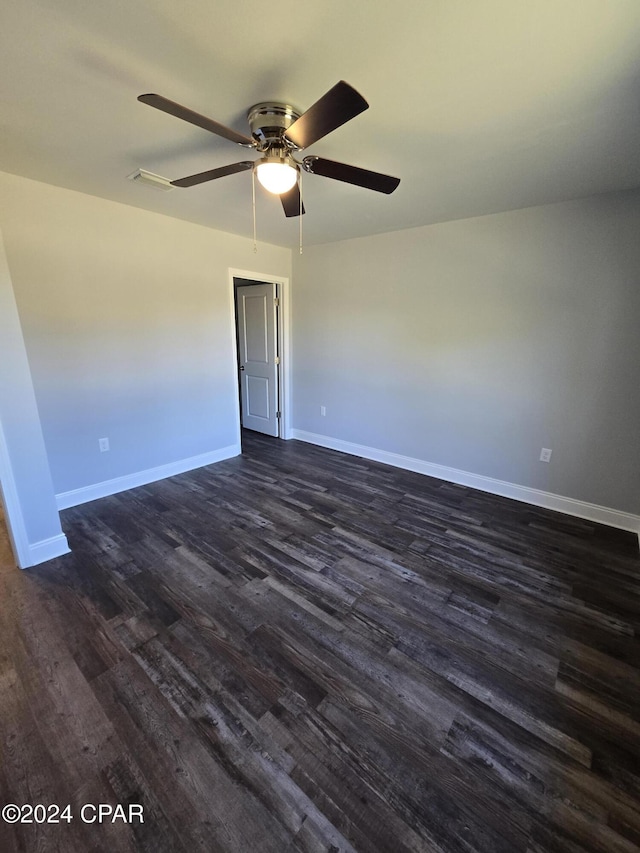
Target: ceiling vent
{"x": 156, "y": 182}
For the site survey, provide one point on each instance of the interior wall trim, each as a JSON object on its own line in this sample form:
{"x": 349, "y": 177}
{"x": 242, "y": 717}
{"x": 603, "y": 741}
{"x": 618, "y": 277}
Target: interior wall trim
{"x": 13, "y": 510}
{"x": 26, "y": 553}
{"x": 47, "y": 549}
{"x": 141, "y": 478}
{"x": 536, "y": 497}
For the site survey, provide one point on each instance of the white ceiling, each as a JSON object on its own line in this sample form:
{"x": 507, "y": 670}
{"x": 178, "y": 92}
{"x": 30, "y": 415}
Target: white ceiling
{"x": 478, "y": 106}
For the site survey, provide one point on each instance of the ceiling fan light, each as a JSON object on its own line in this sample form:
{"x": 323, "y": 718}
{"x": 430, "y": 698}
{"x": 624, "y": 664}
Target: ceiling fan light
{"x": 277, "y": 174}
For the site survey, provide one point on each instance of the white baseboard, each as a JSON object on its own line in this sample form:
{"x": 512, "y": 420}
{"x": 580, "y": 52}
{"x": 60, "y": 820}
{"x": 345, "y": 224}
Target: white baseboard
{"x": 141, "y": 478}
{"x": 46, "y": 549}
{"x": 570, "y": 506}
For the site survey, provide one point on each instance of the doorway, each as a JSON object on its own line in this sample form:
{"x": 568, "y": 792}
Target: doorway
{"x": 261, "y": 325}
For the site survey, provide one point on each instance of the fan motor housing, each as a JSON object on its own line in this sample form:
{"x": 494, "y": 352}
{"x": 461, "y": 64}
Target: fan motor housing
{"x": 268, "y": 122}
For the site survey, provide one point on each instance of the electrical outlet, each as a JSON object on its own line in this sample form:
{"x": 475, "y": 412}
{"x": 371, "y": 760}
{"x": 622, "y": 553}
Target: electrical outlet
{"x": 323, "y": 411}
{"x": 103, "y": 444}
{"x": 545, "y": 454}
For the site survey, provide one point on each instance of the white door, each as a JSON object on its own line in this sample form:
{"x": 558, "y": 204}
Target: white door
{"x": 256, "y": 311}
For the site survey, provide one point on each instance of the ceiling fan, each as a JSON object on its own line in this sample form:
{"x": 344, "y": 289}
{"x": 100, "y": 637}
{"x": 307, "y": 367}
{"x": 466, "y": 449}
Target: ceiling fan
{"x": 278, "y": 131}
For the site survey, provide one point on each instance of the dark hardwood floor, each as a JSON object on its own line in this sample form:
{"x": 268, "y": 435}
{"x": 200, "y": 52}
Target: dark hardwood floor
{"x": 298, "y": 650}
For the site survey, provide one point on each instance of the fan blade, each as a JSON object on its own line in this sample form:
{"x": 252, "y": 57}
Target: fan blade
{"x": 291, "y": 201}
{"x": 350, "y": 174}
{"x": 334, "y": 108}
{"x": 209, "y": 124}
{"x": 212, "y": 174}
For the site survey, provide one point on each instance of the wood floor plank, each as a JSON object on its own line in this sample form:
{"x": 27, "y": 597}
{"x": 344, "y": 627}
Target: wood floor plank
{"x": 300, "y": 651}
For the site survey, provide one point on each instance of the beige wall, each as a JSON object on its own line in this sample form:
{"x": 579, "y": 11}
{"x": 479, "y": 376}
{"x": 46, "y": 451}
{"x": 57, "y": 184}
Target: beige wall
{"x": 473, "y": 344}
{"x": 25, "y": 479}
{"x": 127, "y": 321}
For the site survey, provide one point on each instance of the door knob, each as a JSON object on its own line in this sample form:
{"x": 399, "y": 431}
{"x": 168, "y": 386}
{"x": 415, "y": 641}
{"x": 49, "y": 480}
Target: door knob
{"x": 242, "y": 367}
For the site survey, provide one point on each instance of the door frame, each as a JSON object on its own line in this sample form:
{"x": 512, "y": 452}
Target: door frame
{"x": 284, "y": 336}
{"x": 13, "y": 518}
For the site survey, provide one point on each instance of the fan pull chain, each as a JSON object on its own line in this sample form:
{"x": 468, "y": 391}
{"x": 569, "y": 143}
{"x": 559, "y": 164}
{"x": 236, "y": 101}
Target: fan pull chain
{"x": 253, "y": 193}
{"x": 301, "y": 205}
